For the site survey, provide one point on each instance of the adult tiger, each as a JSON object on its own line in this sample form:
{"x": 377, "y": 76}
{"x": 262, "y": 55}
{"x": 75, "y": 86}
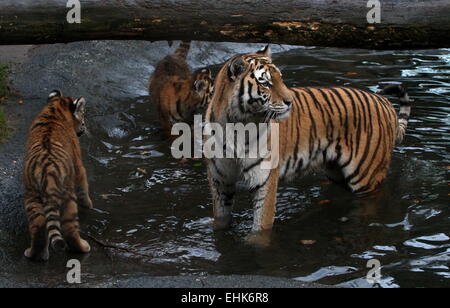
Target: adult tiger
{"x": 179, "y": 93}
{"x": 350, "y": 133}
{"x": 55, "y": 178}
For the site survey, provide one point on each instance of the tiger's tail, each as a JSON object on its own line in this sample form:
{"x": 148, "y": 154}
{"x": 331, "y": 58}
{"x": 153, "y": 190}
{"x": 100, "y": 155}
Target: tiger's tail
{"x": 405, "y": 108}
{"x": 52, "y": 209}
{"x": 183, "y": 50}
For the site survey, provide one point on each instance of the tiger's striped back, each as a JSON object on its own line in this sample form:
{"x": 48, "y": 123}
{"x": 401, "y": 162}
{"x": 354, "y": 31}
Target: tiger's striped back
{"x": 348, "y": 131}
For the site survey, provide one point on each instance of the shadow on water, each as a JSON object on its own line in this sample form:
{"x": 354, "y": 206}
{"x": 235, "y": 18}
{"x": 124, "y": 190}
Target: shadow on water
{"x": 149, "y": 202}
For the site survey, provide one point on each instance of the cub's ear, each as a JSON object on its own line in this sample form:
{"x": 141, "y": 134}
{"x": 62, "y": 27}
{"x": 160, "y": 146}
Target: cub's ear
{"x": 266, "y": 51}
{"x": 79, "y": 108}
{"x": 207, "y": 71}
{"x": 235, "y": 68}
{"x": 53, "y": 94}
{"x": 199, "y": 86}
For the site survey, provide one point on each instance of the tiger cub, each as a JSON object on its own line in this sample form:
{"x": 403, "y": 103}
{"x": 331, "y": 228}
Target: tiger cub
{"x": 350, "y": 133}
{"x": 55, "y": 178}
{"x": 179, "y": 93}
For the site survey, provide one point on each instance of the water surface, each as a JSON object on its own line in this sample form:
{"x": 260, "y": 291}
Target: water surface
{"x": 150, "y": 203}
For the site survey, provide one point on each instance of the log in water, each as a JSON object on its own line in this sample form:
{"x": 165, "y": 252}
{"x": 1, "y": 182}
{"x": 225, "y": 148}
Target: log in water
{"x": 404, "y": 24}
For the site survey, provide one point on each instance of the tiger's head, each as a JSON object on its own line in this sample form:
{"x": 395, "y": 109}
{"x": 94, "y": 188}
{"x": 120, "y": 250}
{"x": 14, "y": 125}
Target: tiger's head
{"x": 253, "y": 88}
{"x": 204, "y": 88}
{"x": 76, "y": 108}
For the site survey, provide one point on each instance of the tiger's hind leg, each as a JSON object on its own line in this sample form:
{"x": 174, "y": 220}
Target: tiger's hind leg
{"x": 71, "y": 228}
{"x": 38, "y": 250}
{"x": 369, "y": 182}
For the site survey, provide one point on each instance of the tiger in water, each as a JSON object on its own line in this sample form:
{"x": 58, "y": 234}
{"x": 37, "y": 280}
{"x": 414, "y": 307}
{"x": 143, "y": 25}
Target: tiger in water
{"x": 349, "y": 133}
{"x": 55, "y": 178}
{"x": 178, "y": 93}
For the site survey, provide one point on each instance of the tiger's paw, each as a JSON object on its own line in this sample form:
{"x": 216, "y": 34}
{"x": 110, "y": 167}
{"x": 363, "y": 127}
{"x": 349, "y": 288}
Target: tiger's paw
{"x": 87, "y": 203}
{"x": 259, "y": 239}
{"x": 221, "y": 224}
{"x": 84, "y": 246}
{"x": 43, "y": 256}
{"x": 79, "y": 246}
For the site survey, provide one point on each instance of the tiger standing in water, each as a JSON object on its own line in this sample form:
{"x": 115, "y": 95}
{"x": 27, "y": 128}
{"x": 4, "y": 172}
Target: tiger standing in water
{"x": 55, "y": 178}
{"x": 178, "y": 93}
{"x": 350, "y": 133}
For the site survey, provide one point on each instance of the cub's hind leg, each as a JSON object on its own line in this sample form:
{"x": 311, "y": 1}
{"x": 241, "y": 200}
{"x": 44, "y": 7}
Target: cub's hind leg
{"x": 37, "y": 228}
{"x": 71, "y": 228}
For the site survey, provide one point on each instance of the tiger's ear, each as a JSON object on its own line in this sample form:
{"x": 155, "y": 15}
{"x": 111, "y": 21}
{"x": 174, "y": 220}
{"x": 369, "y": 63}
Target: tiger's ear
{"x": 266, "y": 51}
{"x": 207, "y": 71}
{"x": 79, "y": 108}
{"x": 199, "y": 86}
{"x": 53, "y": 94}
{"x": 235, "y": 68}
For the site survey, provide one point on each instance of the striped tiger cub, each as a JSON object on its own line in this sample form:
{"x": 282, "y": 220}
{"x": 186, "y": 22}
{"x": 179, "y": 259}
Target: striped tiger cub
{"x": 55, "y": 178}
{"x": 179, "y": 93}
{"x": 349, "y": 133}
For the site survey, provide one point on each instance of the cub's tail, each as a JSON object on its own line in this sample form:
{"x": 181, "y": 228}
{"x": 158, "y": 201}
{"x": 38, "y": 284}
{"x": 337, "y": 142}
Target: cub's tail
{"x": 183, "y": 50}
{"x": 53, "y": 224}
{"x": 405, "y": 108}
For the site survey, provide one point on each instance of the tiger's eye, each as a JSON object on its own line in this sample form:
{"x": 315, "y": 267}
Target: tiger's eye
{"x": 266, "y": 84}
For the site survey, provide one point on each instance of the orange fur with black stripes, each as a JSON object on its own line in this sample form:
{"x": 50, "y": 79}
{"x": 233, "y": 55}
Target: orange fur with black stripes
{"x": 178, "y": 93}
{"x": 55, "y": 178}
{"x": 347, "y": 132}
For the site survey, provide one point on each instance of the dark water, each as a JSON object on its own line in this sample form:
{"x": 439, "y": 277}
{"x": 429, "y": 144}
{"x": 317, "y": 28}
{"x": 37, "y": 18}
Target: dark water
{"x": 151, "y": 204}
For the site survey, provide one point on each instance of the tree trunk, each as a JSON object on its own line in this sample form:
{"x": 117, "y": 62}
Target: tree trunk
{"x": 404, "y": 24}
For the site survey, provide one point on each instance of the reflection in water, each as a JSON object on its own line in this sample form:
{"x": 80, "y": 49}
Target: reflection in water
{"x": 149, "y": 202}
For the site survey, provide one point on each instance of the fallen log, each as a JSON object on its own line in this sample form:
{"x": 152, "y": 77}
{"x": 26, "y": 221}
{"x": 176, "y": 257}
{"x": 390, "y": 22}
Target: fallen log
{"x": 404, "y": 24}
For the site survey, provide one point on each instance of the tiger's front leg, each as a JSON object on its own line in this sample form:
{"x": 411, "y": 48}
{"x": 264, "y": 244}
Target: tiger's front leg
{"x": 83, "y": 191}
{"x": 264, "y": 199}
{"x": 223, "y": 189}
